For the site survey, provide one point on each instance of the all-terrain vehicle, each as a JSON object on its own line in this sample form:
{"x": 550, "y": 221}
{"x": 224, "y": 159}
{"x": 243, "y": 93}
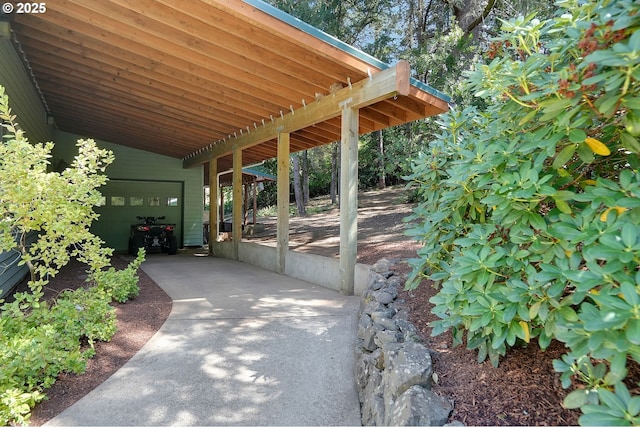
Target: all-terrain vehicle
{"x": 153, "y": 237}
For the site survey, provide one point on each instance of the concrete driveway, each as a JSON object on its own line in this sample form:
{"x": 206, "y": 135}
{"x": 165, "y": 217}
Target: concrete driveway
{"x": 242, "y": 346}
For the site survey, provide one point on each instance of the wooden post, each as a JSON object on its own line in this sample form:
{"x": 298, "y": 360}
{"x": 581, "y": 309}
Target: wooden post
{"x": 221, "y": 217}
{"x": 245, "y": 209}
{"x": 348, "y": 198}
{"x": 236, "y": 234}
{"x": 213, "y": 204}
{"x": 283, "y": 202}
{"x": 255, "y": 200}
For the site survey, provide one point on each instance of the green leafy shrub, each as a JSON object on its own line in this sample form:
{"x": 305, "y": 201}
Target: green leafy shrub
{"x": 121, "y": 285}
{"x": 38, "y": 341}
{"x": 85, "y": 313}
{"x": 41, "y": 339}
{"x": 530, "y": 207}
{"x": 59, "y": 207}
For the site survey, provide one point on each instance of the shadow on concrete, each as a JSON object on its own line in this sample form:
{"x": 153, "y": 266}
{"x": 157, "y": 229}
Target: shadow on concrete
{"x": 242, "y": 346}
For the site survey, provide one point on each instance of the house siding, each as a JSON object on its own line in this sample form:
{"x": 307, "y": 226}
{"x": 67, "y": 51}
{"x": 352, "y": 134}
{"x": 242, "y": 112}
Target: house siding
{"x": 138, "y": 165}
{"x": 24, "y": 99}
{"x": 27, "y": 105}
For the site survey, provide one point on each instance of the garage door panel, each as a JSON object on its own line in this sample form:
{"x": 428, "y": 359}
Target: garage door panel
{"x": 126, "y": 200}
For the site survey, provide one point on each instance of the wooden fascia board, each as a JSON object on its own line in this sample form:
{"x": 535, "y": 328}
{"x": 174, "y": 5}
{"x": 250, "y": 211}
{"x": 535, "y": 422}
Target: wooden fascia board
{"x": 434, "y": 105}
{"x": 382, "y": 85}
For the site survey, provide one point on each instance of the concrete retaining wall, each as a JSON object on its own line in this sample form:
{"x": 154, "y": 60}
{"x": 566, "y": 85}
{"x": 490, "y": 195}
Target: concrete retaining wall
{"x": 311, "y": 268}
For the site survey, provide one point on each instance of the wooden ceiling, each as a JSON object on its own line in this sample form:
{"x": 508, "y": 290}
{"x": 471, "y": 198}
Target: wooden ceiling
{"x": 172, "y": 77}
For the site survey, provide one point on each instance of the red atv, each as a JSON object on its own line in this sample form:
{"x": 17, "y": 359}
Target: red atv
{"x": 153, "y": 237}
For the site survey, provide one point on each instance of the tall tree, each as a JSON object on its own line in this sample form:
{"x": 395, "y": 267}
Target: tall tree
{"x": 440, "y": 38}
{"x": 348, "y": 20}
{"x": 471, "y": 13}
{"x": 297, "y": 185}
{"x": 305, "y": 177}
{"x": 381, "y": 162}
{"x": 334, "y": 173}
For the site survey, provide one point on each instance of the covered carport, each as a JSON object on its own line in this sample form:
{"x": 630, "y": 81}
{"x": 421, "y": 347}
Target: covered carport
{"x": 220, "y": 83}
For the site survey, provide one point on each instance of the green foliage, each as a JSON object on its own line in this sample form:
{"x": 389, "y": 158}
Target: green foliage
{"x": 120, "y": 285}
{"x": 530, "y": 207}
{"x": 39, "y": 340}
{"x": 348, "y": 21}
{"x": 455, "y": 51}
{"x": 56, "y": 206}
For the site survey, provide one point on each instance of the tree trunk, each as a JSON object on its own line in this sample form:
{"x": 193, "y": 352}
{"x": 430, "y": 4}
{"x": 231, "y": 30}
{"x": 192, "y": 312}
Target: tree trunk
{"x": 334, "y": 173}
{"x": 305, "y": 177}
{"x": 381, "y": 174}
{"x": 471, "y": 13}
{"x": 419, "y": 15}
{"x": 297, "y": 185}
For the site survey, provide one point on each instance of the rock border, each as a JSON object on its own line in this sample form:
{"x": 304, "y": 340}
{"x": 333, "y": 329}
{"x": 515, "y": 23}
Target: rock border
{"x": 393, "y": 368}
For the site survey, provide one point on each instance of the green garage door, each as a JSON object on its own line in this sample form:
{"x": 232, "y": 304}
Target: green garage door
{"x": 126, "y": 200}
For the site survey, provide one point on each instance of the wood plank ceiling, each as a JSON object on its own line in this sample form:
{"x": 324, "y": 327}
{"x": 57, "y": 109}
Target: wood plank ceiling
{"x": 171, "y": 77}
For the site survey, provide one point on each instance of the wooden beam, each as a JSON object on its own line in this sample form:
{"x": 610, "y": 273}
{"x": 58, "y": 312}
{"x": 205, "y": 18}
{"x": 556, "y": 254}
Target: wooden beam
{"x": 120, "y": 65}
{"x": 382, "y": 85}
{"x": 146, "y": 100}
{"x": 253, "y": 45}
{"x": 434, "y": 105}
{"x": 130, "y": 56}
{"x": 255, "y": 41}
{"x": 285, "y": 31}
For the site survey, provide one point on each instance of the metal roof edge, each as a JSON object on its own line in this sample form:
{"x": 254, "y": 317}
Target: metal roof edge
{"x": 334, "y": 41}
{"x": 258, "y": 172}
{"x": 430, "y": 90}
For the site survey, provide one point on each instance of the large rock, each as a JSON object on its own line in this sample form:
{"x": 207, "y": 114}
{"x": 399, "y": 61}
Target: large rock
{"x": 418, "y": 407}
{"x": 408, "y": 366}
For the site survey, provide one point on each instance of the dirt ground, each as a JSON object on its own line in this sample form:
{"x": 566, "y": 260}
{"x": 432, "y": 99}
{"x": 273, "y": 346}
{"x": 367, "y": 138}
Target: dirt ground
{"x": 523, "y": 390}
{"x": 380, "y": 228}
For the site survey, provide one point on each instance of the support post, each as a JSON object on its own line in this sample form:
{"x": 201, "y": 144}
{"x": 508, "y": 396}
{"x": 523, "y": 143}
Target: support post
{"x": 245, "y": 206}
{"x": 236, "y": 234}
{"x": 213, "y": 203}
{"x": 348, "y": 198}
{"x": 221, "y": 216}
{"x": 283, "y": 201}
{"x": 255, "y": 200}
